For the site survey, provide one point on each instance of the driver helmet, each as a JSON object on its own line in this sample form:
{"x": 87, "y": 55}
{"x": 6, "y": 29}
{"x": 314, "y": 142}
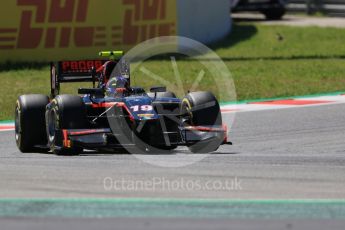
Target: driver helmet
{"x": 120, "y": 85}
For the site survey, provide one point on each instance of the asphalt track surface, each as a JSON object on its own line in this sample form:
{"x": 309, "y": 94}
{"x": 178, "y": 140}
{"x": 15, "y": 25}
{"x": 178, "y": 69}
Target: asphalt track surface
{"x": 277, "y": 155}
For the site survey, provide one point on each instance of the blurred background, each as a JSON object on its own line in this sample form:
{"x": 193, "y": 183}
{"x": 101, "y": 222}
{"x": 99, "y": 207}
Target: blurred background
{"x": 275, "y": 9}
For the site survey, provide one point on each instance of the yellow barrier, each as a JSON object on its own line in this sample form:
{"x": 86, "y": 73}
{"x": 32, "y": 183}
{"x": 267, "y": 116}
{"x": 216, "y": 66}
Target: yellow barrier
{"x": 39, "y": 30}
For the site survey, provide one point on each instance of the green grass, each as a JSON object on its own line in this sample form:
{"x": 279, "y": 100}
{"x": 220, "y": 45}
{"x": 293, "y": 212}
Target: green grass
{"x": 252, "y": 41}
{"x": 308, "y": 60}
{"x": 25, "y": 81}
{"x": 287, "y": 78}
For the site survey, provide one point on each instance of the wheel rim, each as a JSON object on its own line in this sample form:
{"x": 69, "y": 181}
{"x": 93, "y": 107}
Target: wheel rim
{"x": 187, "y": 114}
{"x": 17, "y": 124}
{"x": 51, "y": 126}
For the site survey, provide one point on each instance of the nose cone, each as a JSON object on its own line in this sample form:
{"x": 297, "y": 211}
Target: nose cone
{"x": 141, "y": 108}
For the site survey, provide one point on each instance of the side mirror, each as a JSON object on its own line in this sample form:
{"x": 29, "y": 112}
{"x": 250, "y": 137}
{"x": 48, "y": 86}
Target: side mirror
{"x": 157, "y": 89}
{"x": 94, "y": 91}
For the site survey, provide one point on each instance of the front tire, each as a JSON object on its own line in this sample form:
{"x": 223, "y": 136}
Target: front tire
{"x": 30, "y": 128}
{"x": 202, "y": 109}
{"x": 65, "y": 112}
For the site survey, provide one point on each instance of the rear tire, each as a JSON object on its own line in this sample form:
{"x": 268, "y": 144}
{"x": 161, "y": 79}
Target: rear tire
{"x": 29, "y": 122}
{"x": 65, "y": 112}
{"x": 202, "y": 109}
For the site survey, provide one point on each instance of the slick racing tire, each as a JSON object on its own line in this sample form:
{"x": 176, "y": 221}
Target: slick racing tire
{"x": 202, "y": 109}
{"x": 65, "y": 112}
{"x": 30, "y": 128}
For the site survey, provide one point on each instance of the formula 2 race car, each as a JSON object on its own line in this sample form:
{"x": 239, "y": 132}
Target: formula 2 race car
{"x": 114, "y": 115}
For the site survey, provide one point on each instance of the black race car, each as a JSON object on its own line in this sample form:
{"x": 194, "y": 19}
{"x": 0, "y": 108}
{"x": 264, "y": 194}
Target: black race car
{"x": 272, "y": 9}
{"x": 114, "y": 115}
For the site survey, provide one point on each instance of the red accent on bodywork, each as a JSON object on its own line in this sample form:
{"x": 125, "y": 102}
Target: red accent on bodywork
{"x": 65, "y": 138}
{"x": 85, "y": 132}
{"x": 123, "y": 105}
{"x": 205, "y": 129}
{"x": 104, "y": 105}
{"x": 210, "y": 129}
{"x": 117, "y": 104}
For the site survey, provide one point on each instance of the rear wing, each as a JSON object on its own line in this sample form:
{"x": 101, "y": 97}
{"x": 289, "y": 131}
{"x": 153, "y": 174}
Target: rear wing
{"x": 73, "y": 71}
{"x": 82, "y": 71}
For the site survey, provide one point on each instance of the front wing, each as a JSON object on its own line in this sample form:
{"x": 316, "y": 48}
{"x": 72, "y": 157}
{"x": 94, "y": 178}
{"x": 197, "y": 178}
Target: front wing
{"x": 105, "y": 138}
